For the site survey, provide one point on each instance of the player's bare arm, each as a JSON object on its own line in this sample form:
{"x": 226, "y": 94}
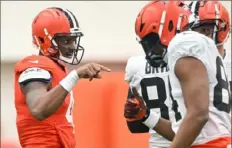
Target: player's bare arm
{"x": 164, "y": 128}
{"x": 193, "y": 78}
{"x": 41, "y": 101}
{"x": 44, "y": 101}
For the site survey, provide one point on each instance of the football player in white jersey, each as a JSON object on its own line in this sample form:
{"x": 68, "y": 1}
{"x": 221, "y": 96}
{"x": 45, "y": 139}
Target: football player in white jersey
{"x": 150, "y": 78}
{"x": 198, "y": 82}
{"x": 151, "y": 83}
{"x": 210, "y": 25}
{"x": 149, "y": 74}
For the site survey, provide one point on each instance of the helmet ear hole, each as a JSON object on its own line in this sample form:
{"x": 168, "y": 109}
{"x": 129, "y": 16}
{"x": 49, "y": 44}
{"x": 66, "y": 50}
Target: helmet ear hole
{"x": 224, "y": 27}
{"x": 170, "y": 26}
{"x": 41, "y": 40}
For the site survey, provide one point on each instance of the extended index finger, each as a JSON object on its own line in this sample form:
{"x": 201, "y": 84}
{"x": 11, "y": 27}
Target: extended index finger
{"x": 103, "y": 68}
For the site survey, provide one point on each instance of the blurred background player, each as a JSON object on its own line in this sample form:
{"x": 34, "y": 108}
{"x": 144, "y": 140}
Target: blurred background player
{"x": 149, "y": 76}
{"x": 193, "y": 57}
{"x": 220, "y": 39}
{"x": 43, "y": 84}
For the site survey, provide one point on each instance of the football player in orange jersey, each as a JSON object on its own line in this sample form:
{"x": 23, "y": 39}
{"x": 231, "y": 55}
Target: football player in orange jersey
{"x": 43, "y": 84}
{"x": 197, "y": 78}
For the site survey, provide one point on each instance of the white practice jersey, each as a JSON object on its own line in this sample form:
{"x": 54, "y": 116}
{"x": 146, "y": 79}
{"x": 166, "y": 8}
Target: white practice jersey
{"x": 196, "y": 45}
{"x": 152, "y": 85}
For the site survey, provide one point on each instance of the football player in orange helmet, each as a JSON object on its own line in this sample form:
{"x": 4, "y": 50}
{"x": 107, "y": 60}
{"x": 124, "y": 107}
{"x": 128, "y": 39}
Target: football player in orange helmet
{"x": 43, "y": 83}
{"x": 154, "y": 28}
{"x": 198, "y": 83}
{"x": 221, "y": 30}
{"x": 151, "y": 31}
{"x": 149, "y": 70}
{"x": 205, "y": 12}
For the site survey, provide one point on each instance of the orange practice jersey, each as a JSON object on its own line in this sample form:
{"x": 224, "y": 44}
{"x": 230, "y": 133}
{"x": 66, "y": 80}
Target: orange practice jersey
{"x": 57, "y": 130}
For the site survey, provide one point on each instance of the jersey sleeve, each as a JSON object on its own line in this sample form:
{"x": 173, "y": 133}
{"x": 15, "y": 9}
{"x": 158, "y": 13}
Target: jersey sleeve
{"x": 34, "y": 74}
{"x": 129, "y": 71}
{"x": 132, "y": 74}
{"x": 189, "y": 45}
{"x": 34, "y": 61}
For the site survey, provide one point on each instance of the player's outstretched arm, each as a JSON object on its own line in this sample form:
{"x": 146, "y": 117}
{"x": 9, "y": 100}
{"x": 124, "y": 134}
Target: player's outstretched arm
{"x": 136, "y": 110}
{"x": 193, "y": 78}
{"x": 43, "y": 101}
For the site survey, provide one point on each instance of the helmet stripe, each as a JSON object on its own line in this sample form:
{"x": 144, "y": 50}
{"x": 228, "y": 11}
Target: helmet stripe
{"x": 71, "y": 18}
{"x": 74, "y": 18}
{"x": 162, "y": 21}
{"x": 194, "y": 6}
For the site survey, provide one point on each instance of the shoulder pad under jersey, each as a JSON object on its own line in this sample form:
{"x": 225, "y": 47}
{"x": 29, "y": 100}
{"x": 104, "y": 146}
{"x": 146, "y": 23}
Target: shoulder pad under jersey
{"x": 189, "y": 43}
{"x": 34, "y": 74}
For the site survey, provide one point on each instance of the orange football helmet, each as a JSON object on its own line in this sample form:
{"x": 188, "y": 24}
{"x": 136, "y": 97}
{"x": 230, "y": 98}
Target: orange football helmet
{"x": 211, "y": 12}
{"x": 177, "y": 20}
{"x": 53, "y": 22}
{"x": 155, "y": 26}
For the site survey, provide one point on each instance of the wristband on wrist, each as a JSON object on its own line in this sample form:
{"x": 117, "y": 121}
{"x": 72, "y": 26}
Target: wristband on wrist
{"x": 70, "y": 81}
{"x": 151, "y": 120}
